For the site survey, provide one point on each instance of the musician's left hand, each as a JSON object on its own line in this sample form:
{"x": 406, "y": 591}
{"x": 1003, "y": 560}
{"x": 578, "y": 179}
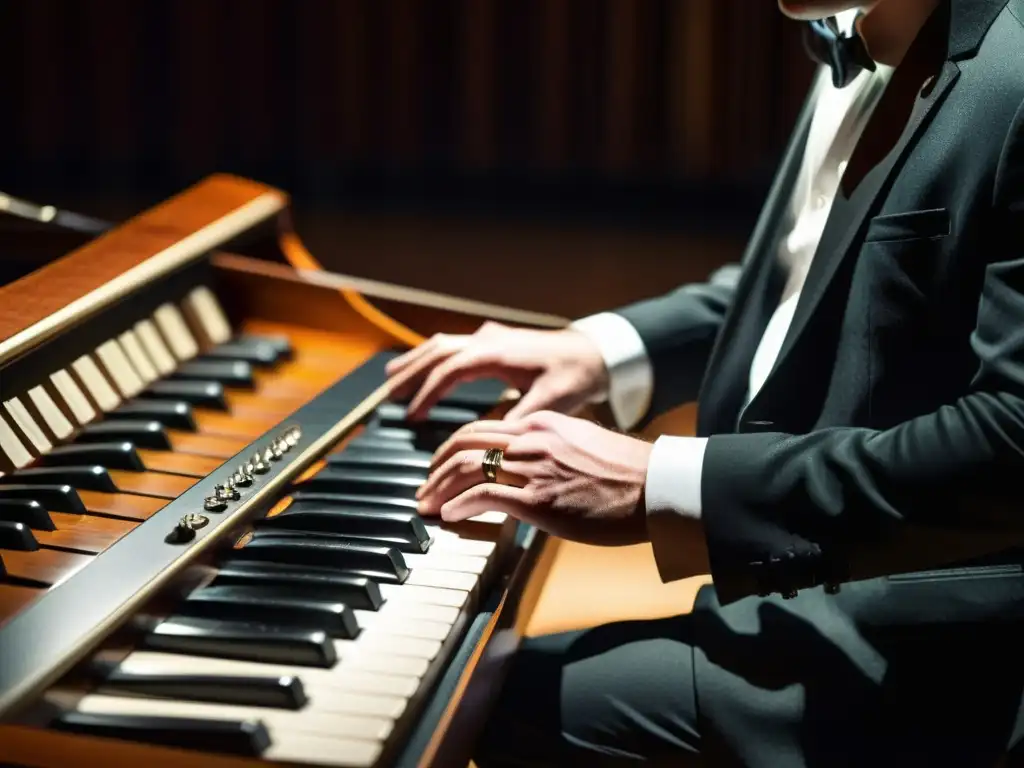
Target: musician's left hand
{"x": 567, "y": 476}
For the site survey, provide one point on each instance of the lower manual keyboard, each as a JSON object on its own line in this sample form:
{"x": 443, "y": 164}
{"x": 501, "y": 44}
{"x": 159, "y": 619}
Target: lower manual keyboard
{"x": 318, "y": 633}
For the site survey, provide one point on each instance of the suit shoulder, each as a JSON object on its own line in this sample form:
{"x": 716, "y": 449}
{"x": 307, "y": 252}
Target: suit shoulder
{"x": 998, "y": 68}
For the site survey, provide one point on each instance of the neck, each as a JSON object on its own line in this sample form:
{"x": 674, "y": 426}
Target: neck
{"x": 888, "y": 27}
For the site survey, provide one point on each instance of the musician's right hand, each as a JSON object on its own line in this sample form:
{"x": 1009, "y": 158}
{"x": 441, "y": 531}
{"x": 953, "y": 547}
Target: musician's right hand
{"x": 554, "y": 370}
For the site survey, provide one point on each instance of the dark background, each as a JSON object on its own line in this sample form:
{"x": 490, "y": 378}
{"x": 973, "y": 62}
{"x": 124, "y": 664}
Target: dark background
{"x": 561, "y": 155}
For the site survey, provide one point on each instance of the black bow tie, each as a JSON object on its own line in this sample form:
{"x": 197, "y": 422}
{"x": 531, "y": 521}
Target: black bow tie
{"x": 846, "y": 56}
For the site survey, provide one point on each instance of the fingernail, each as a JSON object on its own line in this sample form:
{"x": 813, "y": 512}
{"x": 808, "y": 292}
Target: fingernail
{"x": 419, "y": 492}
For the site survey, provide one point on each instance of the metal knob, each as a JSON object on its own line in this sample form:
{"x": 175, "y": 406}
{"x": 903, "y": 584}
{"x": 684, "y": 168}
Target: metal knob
{"x": 214, "y": 504}
{"x": 187, "y": 526}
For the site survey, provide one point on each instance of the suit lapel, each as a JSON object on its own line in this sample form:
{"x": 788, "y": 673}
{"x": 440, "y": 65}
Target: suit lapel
{"x": 843, "y": 233}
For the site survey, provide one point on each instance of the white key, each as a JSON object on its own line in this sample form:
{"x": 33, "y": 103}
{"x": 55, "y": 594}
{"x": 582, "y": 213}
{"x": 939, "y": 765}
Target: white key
{"x": 116, "y": 364}
{"x": 422, "y": 577}
{"x": 23, "y": 419}
{"x": 95, "y": 384}
{"x": 452, "y": 598}
{"x": 442, "y": 561}
{"x": 137, "y": 357}
{"x": 12, "y": 448}
{"x": 50, "y": 413}
{"x": 306, "y": 720}
{"x": 175, "y": 330}
{"x": 429, "y": 622}
{"x": 451, "y": 543}
{"x": 73, "y": 397}
{"x": 204, "y": 309}
{"x": 153, "y": 345}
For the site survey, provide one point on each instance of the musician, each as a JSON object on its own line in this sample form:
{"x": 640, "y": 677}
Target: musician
{"x": 861, "y": 386}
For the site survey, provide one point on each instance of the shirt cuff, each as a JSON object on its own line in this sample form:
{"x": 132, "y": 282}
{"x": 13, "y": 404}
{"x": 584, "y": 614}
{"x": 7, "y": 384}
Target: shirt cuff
{"x": 673, "y": 499}
{"x": 630, "y": 375}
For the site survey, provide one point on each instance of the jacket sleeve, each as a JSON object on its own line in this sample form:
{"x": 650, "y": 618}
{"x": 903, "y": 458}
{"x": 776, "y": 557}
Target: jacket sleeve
{"x": 678, "y": 331}
{"x": 784, "y": 512}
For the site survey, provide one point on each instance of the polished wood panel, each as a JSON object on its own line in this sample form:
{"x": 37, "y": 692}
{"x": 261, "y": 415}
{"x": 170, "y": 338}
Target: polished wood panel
{"x": 178, "y": 463}
{"x": 205, "y": 445}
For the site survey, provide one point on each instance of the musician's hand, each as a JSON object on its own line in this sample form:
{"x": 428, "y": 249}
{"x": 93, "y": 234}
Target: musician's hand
{"x": 554, "y": 370}
{"x": 565, "y": 475}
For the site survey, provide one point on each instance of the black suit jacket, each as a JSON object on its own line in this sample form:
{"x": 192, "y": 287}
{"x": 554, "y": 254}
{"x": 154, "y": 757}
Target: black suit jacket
{"x": 888, "y": 438}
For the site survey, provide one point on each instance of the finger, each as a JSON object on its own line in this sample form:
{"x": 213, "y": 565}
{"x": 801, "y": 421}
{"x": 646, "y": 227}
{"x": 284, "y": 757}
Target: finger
{"x": 403, "y": 361}
{"x": 540, "y": 398}
{"x": 409, "y": 380}
{"x": 461, "y": 472}
{"x": 479, "y": 434}
{"x": 466, "y": 365}
{"x": 490, "y": 498}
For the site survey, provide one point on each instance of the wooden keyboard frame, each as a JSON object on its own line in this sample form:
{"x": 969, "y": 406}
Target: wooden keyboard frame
{"x": 184, "y": 231}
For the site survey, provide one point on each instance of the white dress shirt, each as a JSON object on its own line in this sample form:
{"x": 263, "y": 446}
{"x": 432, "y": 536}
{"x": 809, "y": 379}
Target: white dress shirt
{"x": 674, "y": 473}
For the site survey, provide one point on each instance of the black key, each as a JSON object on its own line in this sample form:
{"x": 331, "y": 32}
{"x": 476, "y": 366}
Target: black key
{"x": 31, "y": 513}
{"x": 229, "y": 373}
{"x": 235, "y": 737}
{"x": 199, "y": 394}
{"x": 57, "y": 497}
{"x": 244, "y": 603}
{"x": 141, "y": 434}
{"x": 358, "y": 457}
{"x": 373, "y": 482}
{"x": 86, "y": 478}
{"x": 108, "y": 455}
{"x": 276, "y": 692}
{"x": 372, "y": 440}
{"x": 380, "y": 563}
{"x": 254, "y": 353}
{"x": 280, "y": 343}
{"x": 404, "y": 530}
{"x": 380, "y": 501}
{"x": 17, "y": 536}
{"x": 172, "y": 413}
{"x": 438, "y": 417}
{"x": 357, "y": 592}
{"x": 244, "y": 641}
{"x": 480, "y": 396}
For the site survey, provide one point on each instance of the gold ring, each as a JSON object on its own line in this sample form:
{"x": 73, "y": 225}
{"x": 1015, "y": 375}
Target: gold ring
{"x": 492, "y": 463}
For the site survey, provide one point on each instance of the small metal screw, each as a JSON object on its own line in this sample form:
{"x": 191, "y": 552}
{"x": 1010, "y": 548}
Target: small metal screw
{"x": 193, "y": 522}
{"x": 214, "y": 504}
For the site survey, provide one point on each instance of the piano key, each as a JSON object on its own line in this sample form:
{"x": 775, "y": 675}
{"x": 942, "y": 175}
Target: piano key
{"x": 280, "y": 692}
{"x": 244, "y": 603}
{"x": 227, "y": 373}
{"x": 362, "y": 669}
{"x": 50, "y": 413}
{"x": 249, "y": 738}
{"x": 155, "y": 348}
{"x": 28, "y": 427}
{"x": 57, "y": 497}
{"x": 439, "y": 417}
{"x": 13, "y": 453}
{"x": 452, "y": 598}
{"x": 363, "y": 481}
{"x": 121, "y": 505}
{"x": 376, "y": 501}
{"x": 388, "y": 437}
{"x": 141, "y": 434}
{"x": 354, "y": 591}
{"x": 404, "y": 530}
{"x": 203, "y": 309}
{"x": 281, "y": 343}
{"x": 216, "y": 446}
{"x": 173, "y": 414}
{"x": 178, "y": 464}
{"x": 230, "y": 425}
{"x": 119, "y": 369}
{"x": 200, "y": 394}
{"x": 254, "y": 352}
{"x": 175, "y": 332}
{"x": 97, "y": 478}
{"x": 378, "y": 563}
{"x": 245, "y": 641}
{"x": 17, "y": 536}
{"x": 14, "y": 598}
{"x": 94, "y": 384}
{"x": 359, "y": 457}
{"x": 45, "y": 567}
{"x": 88, "y": 534}
{"x": 443, "y": 561}
{"x": 73, "y": 396}
{"x": 309, "y": 720}
{"x": 137, "y": 356}
{"x": 158, "y": 484}
{"x": 479, "y": 396}
{"x": 31, "y": 513}
{"x": 119, "y": 455}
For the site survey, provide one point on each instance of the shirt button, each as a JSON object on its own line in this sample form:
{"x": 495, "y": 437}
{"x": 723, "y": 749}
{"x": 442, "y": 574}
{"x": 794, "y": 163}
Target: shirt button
{"x": 819, "y": 202}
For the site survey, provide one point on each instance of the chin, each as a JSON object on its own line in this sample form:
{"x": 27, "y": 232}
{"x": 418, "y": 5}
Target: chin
{"x": 810, "y": 10}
